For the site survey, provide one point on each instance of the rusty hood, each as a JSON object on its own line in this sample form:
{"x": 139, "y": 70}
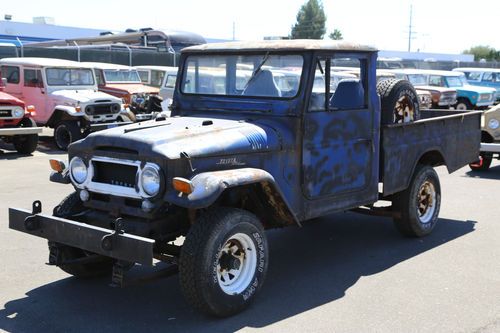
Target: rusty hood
{"x": 194, "y": 136}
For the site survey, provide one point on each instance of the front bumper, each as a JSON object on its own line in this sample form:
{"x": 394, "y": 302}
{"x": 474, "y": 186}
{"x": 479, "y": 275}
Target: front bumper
{"x": 20, "y": 131}
{"x": 107, "y": 242}
{"x": 103, "y": 126}
{"x": 490, "y": 147}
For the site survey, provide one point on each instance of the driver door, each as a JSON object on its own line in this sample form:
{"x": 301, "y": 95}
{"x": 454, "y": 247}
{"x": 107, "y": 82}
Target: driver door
{"x": 34, "y": 93}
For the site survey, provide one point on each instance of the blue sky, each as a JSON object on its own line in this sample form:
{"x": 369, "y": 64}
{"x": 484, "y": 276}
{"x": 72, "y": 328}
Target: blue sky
{"x": 440, "y": 25}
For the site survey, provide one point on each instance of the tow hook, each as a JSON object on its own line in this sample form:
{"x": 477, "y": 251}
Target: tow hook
{"x": 108, "y": 240}
{"x": 31, "y": 222}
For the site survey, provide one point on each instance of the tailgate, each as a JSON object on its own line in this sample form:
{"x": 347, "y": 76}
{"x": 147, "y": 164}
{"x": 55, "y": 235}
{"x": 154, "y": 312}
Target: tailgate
{"x": 454, "y": 135}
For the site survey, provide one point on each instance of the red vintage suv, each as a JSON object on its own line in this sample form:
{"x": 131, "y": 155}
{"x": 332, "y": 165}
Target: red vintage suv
{"x": 16, "y": 125}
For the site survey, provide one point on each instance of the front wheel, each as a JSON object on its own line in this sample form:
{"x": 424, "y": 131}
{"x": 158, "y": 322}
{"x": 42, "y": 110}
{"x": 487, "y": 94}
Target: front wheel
{"x": 26, "y": 144}
{"x": 223, "y": 261}
{"x": 65, "y": 133}
{"x": 463, "y": 104}
{"x": 419, "y": 204}
{"x": 70, "y": 259}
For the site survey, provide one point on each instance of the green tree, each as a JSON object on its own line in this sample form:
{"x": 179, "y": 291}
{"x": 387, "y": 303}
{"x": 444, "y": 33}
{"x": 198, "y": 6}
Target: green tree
{"x": 336, "y": 35}
{"x": 311, "y": 21}
{"x": 483, "y": 52}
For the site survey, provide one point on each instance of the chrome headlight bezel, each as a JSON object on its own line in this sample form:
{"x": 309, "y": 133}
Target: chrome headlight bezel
{"x": 78, "y": 170}
{"x": 493, "y": 123}
{"x": 150, "y": 180}
{"x": 18, "y": 112}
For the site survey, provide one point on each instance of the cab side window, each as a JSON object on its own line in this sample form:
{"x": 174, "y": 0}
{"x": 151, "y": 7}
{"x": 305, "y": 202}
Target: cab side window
{"x": 488, "y": 77}
{"x": 11, "y": 73}
{"x": 435, "y": 81}
{"x": 99, "y": 77}
{"x": 33, "y": 78}
{"x": 339, "y": 84}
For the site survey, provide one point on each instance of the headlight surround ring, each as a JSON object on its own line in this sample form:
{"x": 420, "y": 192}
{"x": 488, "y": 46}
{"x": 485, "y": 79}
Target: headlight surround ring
{"x": 151, "y": 180}
{"x": 493, "y": 123}
{"x": 78, "y": 170}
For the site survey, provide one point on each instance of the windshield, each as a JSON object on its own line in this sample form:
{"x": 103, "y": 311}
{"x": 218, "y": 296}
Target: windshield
{"x": 454, "y": 81}
{"x": 122, "y": 76}
{"x": 261, "y": 75}
{"x": 417, "y": 79}
{"x": 69, "y": 77}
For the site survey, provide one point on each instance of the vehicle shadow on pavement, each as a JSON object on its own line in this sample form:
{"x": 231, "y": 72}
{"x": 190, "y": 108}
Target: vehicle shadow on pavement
{"x": 309, "y": 267}
{"x": 492, "y": 173}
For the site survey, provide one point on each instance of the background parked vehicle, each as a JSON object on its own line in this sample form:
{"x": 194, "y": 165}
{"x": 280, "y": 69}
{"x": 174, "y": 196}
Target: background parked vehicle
{"x": 441, "y": 97}
{"x": 16, "y": 125}
{"x": 163, "y": 77}
{"x": 124, "y": 82}
{"x": 468, "y": 97}
{"x": 424, "y": 97}
{"x": 485, "y": 77}
{"x": 490, "y": 139}
{"x": 64, "y": 94}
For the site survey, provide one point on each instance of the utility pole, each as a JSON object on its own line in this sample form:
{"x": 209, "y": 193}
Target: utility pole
{"x": 410, "y": 27}
{"x": 234, "y": 30}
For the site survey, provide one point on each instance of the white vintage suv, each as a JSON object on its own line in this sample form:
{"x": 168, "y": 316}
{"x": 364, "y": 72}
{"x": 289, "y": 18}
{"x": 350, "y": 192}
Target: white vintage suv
{"x": 64, "y": 94}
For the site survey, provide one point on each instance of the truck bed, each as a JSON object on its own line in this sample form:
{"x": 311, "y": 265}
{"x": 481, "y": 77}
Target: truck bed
{"x": 442, "y": 137}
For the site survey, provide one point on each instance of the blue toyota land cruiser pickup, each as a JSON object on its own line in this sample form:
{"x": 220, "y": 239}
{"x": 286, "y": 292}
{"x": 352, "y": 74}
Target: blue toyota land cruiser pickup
{"x": 242, "y": 154}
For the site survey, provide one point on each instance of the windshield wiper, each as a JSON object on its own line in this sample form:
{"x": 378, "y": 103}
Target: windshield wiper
{"x": 257, "y": 70}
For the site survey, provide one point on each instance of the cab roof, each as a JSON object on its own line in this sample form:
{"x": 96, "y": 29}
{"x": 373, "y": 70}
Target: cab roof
{"x": 476, "y": 69}
{"x": 105, "y": 65}
{"x": 42, "y": 62}
{"x": 281, "y": 45}
{"x": 156, "y": 68}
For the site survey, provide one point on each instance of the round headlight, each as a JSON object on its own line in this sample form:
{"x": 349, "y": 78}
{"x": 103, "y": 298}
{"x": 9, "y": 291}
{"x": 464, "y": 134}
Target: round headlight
{"x": 493, "y": 124}
{"x": 17, "y": 112}
{"x": 78, "y": 170}
{"x": 150, "y": 180}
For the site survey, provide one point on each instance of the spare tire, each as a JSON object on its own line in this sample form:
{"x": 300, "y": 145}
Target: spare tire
{"x": 399, "y": 101}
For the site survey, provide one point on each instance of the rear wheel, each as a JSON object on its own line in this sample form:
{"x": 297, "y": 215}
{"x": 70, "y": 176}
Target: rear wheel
{"x": 65, "y": 133}
{"x": 223, "y": 261}
{"x": 26, "y": 144}
{"x": 67, "y": 257}
{"x": 419, "y": 204}
{"x": 399, "y": 101}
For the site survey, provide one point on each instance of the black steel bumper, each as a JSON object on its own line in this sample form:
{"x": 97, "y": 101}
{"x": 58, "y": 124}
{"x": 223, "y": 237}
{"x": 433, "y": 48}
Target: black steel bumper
{"x": 103, "y": 126}
{"x": 102, "y": 241}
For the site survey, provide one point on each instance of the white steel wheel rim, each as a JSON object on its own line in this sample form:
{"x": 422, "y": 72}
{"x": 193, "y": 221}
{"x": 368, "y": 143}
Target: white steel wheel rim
{"x": 236, "y": 264}
{"x": 461, "y": 107}
{"x": 404, "y": 111}
{"x": 426, "y": 202}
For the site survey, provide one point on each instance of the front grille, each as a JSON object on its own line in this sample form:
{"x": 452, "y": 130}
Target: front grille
{"x": 102, "y": 109}
{"x": 485, "y": 97}
{"x": 114, "y": 174}
{"x": 5, "y": 113}
{"x": 448, "y": 97}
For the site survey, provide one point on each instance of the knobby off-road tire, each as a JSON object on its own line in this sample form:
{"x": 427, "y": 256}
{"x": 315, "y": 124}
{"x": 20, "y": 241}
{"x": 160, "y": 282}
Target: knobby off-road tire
{"x": 483, "y": 164}
{"x": 26, "y": 144}
{"x": 223, "y": 261}
{"x": 65, "y": 133}
{"x": 70, "y": 206}
{"x": 399, "y": 101}
{"x": 419, "y": 204}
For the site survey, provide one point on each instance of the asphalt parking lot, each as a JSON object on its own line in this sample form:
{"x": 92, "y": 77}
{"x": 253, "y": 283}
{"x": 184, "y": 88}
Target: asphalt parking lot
{"x": 342, "y": 273}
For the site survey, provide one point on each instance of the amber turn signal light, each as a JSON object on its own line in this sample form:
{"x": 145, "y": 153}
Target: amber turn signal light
{"x": 57, "y": 165}
{"x": 182, "y": 185}
{"x": 31, "y": 110}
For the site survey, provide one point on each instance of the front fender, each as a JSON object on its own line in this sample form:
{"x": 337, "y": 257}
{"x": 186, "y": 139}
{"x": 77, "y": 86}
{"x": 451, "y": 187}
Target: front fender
{"x": 208, "y": 186}
{"x": 69, "y": 110}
